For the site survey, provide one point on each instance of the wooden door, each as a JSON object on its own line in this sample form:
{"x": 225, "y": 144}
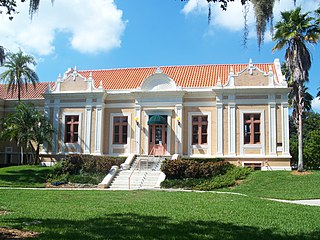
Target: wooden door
{"x": 157, "y": 139}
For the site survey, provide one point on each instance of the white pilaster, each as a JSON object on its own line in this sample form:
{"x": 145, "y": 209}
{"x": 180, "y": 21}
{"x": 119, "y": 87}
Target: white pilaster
{"x": 137, "y": 130}
{"x": 272, "y": 129}
{"x": 98, "y": 135}
{"x": 87, "y": 130}
{"x": 232, "y": 129}
{"x": 285, "y": 128}
{"x": 47, "y": 116}
{"x": 55, "y": 124}
{"x": 178, "y": 130}
{"x": 219, "y": 129}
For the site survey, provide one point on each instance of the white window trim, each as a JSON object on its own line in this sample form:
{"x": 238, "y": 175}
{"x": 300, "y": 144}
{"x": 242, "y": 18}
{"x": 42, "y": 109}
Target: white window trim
{"x": 260, "y": 146}
{"x": 113, "y": 146}
{"x": 77, "y": 145}
{"x": 202, "y": 146}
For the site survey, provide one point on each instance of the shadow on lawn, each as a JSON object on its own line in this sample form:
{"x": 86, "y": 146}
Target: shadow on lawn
{"x": 25, "y": 177}
{"x": 134, "y": 226}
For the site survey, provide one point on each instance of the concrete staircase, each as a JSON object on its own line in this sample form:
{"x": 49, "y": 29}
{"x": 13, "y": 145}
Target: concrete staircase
{"x": 144, "y": 173}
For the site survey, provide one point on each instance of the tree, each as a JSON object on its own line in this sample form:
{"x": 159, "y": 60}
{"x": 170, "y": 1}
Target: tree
{"x": 18, "y": 73}
{"x": 295, "y": 31}
{"x": 311, "y": 140}
{"x": 28, "y": 128}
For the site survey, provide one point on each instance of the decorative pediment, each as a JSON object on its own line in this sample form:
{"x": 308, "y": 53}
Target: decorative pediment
{"x": 73, "y": 81}
{"x": 158, "y": 82}
{"x": 251, "y": 76}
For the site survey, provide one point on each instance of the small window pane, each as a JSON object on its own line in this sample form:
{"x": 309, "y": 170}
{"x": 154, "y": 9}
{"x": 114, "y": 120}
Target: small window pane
{"x": 116, "y": 138}
{"x": 116, "y": 119}
{"x": 75, "y": 137}
{"x": 195, "y": 139}
{"x": 194, "y": 119}
{"x": 204, "y": 118}
{"x": 204, "y": 139}
{"x": 257, "y": 117}
{"x": 116, "y": 129}
{"x": 75, "y": 127}
{"x": 204, "y": 129}
{"x": 257, "y": 138}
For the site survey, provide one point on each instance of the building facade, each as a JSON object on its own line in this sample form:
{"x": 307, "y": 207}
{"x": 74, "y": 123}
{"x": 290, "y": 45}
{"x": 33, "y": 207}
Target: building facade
{"x": 238, "y": 112}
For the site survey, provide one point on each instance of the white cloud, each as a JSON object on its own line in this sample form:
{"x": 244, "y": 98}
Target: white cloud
{"x": 233, "y": 20}
{"x": 94, "y": 26}
{"x": 316, "y": 105}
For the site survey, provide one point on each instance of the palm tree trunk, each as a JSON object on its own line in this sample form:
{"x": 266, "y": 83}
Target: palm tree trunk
{"x": 300, "y": 142}
{"x": 19, "y": 90}
{"x": 300, "y": 148}
{"x": 21, "y": 154}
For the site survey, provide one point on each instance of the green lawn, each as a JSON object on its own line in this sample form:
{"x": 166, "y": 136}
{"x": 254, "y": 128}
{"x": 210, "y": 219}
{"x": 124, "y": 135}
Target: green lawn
{"x": 281, "y": 185}
{"x": 61, "y": 214}
{"x": 23, "y": 176}
{"x": 79, "y": 214}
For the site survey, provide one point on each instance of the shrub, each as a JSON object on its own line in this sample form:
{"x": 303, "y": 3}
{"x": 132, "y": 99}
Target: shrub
{"x": 189, "y": 183}
{"x": 76, "y": 164}
{"x": 226, "y": 180}
{"x": 181, "y": 169}
{"x": 86, "y": 178}
{"x": 83, "y": 168}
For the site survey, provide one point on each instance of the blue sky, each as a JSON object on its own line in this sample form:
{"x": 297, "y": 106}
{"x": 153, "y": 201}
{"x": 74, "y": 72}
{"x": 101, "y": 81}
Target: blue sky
{"x": 100, "y": 34}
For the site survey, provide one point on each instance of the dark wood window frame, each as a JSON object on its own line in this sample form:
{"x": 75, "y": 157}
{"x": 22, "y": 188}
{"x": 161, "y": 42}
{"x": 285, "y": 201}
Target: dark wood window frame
{"x": 119, "y": 134}
{"x": 252, "y": 128}
{"x": 71, "y": 129}
{"x": 199, "y": 130}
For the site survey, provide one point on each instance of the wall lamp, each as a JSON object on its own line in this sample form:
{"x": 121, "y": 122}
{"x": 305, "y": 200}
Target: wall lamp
{"x": 178, "y": 120}
{"x": 137, "y": 120}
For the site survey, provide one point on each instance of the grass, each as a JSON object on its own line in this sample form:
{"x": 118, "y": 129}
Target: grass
{"x": 24, "y": 176}
{"x": 60, "y": 214}
{"x": 281, "y": 185}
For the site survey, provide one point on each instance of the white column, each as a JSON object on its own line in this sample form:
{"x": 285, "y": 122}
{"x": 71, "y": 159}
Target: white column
{"x": 137, "y": 130}
{"x": 87, "y": 130}
{"x": 219, "y": 129}
{"x": 232, "y": 129}
{"x": 178, "y": 130}
{"x": 47, "y": 116}
{"x": 98, "y": 135}
{"x": 272, "y": 129}
{"x": 285, "y": 128}
{"x": 55, "y": 124}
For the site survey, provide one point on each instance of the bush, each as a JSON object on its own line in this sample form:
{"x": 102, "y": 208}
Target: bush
{"x": 76, "y": 164}
{"x": 226, "y": 180}
{"x": 86, "y": 178}
{"x": 182, "y": 169}
{"x": 83, "y": 168}
{"x": 189, "y": 183}
{"x": 219, "y": 181}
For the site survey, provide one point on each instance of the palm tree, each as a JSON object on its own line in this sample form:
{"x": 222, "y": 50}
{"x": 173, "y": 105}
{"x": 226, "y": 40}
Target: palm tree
{"x": 295, "y": 31}
{"x": 18, "y": 73}
{"x": 28, "y": 128}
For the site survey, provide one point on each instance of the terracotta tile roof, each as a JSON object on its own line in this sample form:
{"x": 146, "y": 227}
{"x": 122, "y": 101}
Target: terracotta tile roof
{"x": 30, "y": 93}
{"x": 184, "y": 76}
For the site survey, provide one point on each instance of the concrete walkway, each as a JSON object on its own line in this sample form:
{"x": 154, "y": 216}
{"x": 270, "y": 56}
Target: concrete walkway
{"x": 310, "y": 202}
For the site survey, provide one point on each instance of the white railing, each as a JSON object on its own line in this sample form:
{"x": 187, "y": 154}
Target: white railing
{"x": 139, "y": 165}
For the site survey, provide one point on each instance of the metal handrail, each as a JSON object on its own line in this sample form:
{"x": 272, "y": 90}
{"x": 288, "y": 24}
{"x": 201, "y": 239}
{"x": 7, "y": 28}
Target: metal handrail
{"x": 139, "y": 163}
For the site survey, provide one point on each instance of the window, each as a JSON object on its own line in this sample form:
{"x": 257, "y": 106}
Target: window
{"x": 199, "y": 130}
{"x": 120, "y": 130}
{"x": 72, "y": 129}
{"x": 252, "y": 130}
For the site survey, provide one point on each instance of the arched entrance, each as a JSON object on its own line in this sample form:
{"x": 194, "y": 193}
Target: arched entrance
{"x": 157, "y": 134}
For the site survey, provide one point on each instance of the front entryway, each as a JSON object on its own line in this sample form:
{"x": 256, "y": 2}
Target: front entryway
{"x": 158, "y": 135}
